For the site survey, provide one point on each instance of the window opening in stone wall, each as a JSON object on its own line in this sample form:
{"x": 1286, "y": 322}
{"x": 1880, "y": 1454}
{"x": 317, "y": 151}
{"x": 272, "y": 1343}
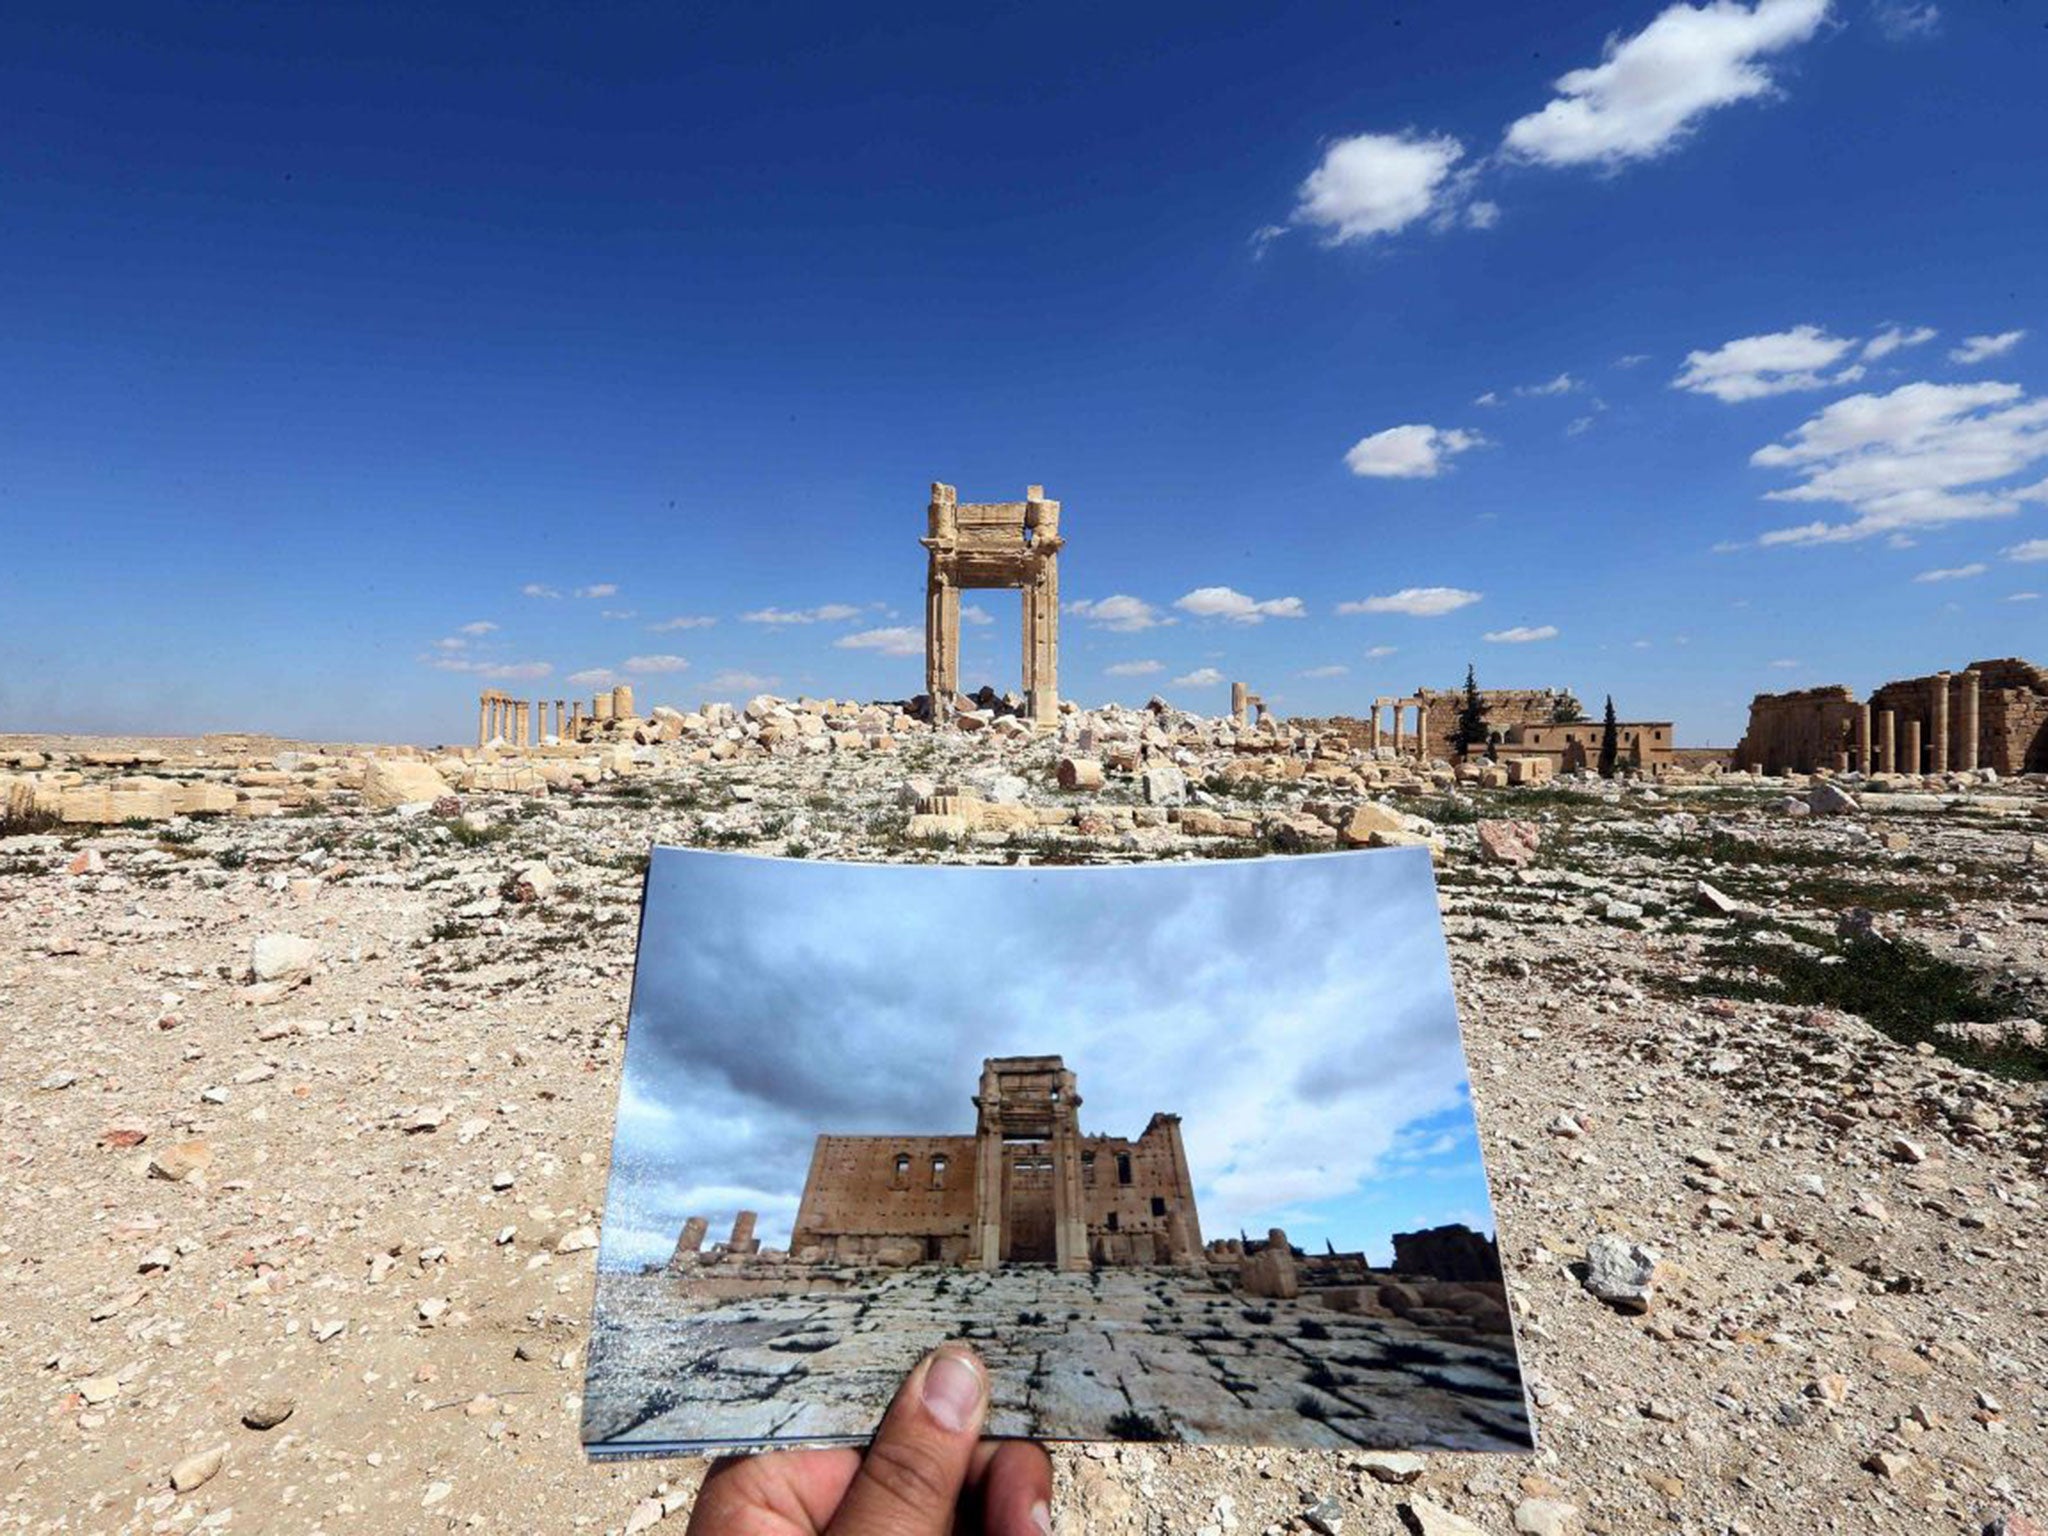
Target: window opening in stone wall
{"x": 1123, "y": 1168}
{"x": 938, "y": 1171}
{"x": 902, "y": 1170}
{"x": 1158, "y": 1206}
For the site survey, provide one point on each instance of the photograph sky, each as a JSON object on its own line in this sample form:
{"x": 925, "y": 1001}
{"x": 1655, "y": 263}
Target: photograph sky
{"x": 1296, "y": 1013}
{"x": 358, "y": 357}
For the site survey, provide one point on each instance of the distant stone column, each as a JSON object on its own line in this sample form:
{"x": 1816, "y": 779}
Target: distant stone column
{"x": 1372, "y": 730}
{"x": 1938, "y": 718}
{"x": 689, "y": 1244}
{"x": 742, "y": 1239}
{"x": 622, "y": 702}
{"x": 1966, "y": 728}
{"x": 576, "y": 719}
{"x": 1422, "y": 733}
{"x": 1863, "y": 738}
{"x": 1399, "y": 711}
{"x": 1238, "y": 692}
{"x": 483, "y": 720}
{"x": 601, "y": 706}
{"x": 540, "y": 721}
{"x": 522, "y": 724}
{"x": 1887, "y": 741}
{"x": 1913, "y": 763}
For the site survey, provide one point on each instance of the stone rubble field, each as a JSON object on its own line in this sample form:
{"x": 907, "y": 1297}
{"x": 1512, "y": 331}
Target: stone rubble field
{"x": 312, "y": 1055}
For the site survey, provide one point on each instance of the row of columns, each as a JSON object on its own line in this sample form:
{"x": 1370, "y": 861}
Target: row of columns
{"x": 500, "y": 717}
{"x": 1399, "y": 707}
{"x": 1884, "y": 745}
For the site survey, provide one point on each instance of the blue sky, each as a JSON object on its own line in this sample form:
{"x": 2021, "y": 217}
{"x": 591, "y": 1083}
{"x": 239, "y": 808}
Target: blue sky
{"x": 1673, "y": 352}
{"x": 1297, "y": 1013}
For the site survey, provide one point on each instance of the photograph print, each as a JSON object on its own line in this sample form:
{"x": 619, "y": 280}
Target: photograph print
{"x": 1187, "y": 1152}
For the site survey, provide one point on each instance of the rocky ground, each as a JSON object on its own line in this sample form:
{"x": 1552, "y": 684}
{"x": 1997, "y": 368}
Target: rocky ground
{"x": 306, "y": 1106}
{"x": 1158, "y": 1354}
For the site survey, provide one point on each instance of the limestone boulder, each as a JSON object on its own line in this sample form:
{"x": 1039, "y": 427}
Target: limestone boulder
{"x": 1512, "y": 843}
{"x": 389, "y": 782}
{"x": 282, "y": 957}
{"x": 1621, "y": 1272}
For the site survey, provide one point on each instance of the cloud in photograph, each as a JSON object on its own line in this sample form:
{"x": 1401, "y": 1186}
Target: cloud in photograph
{"x": 1201, "y": 677}
{"x": 1522, "y": 634}
{"x": 1954, "y": 573}
{"x": 1133, "y": 668}
{"x": 1276, "y": 1005}
{"x": 682, "y": 621}
{"x": 1777, "y": 363}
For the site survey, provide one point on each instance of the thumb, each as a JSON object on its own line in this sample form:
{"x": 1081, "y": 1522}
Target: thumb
{"x": 910, "y": 1479}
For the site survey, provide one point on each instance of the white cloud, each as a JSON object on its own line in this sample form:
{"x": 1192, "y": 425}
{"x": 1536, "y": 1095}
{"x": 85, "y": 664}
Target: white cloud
{"x": 825, "y": 613}
{"x": 1563, "y": 384}
{"x": 536, "y": 589}
{"x": 480, "y": 627}
{"x": 1903, "y": 20}
{"x": 1650, "y": 89}
{"x": 1412, "y": 452}
{"x": 496, "y": 671}
{"x": 1201, "y": 677}
{"x": 1751, "y": 367}
{"x": 898, "y": 641}
{"x": 1632, "y": 360}
{"x": 1120, "y": 612}
{"x": 1489, "y": 398}
{"x": 1133, "y": 668}
{"x": 1785, "y": 662}
{"x": 1482, "y": 215}
{"x": 2031, "y": 549}
{"x": 2024, "y": 597}
{"x": 452, "y": 643}
{"x": 1977, "y": 349}
{"x": 1376, "y": 183}
{"x": 599, "y": 589}
{"x": 654, "y": 664}
{"x": 1334, "y": 669}
{"x": 619, "y": 613}
{"x": 1579, "y": 424}
{"x": 1954, "y": 572}
{"x": 594, "y": 677}
{"x": 1521, "y": 634}
{"x": 1416, "y": 602}
{"x": 1892, "y": 338}
{"x": 970, "y": 614}
{"x": 682, "y": 621}
{"x": 1228, "y": 603}
{"x": 741, "y": 682}
{"x": 1918, "y": 457}
{"x": 1381, "y": 650}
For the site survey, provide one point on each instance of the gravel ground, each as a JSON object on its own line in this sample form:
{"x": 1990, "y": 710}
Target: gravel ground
{"x": 314, "y": 1251}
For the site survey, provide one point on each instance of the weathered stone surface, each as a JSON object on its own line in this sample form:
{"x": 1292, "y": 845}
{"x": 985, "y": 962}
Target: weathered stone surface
{"x": 1509, "y": 842}
{"x": 282, "y": 957}
{"x": 1621, "y": 1272}
{"x": 389, "y": 782}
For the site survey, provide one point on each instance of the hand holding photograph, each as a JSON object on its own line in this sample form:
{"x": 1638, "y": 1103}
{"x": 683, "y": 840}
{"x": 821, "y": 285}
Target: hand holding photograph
{"x": 1187, "y": 1151}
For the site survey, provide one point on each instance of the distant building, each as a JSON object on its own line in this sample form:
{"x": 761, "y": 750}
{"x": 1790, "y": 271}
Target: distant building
{"x": 1992, "y": 714}
{"x": 1026, "y": 1188}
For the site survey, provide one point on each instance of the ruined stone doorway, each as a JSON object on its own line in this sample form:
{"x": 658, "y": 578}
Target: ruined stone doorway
{"x": 1030, "y": 1234}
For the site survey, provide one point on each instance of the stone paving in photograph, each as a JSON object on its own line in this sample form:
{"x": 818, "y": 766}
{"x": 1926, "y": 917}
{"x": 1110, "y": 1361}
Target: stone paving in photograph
{"x": 1128, "y": 1354}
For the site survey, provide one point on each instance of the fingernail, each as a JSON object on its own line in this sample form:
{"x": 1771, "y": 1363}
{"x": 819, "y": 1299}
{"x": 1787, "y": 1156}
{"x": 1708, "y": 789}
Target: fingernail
{"x": 952, "y": 1391}
{"x": 1041, "y": 1517}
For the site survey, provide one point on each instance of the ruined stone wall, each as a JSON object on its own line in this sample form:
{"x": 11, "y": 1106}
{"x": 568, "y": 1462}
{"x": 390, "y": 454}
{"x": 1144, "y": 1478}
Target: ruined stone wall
{"x": 1800, "y": 731}
{"x": 854, "y": 1199}
{"x": 1643, "y": 742}
{"x": 1505, "y": 707}
{"x": 2012, "y": 715}
{"x": 1132, "y": 1223}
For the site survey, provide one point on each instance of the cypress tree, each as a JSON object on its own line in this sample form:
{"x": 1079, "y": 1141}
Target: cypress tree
{"x": 1471, "y": 730}
{"x": 1610, "y": 740}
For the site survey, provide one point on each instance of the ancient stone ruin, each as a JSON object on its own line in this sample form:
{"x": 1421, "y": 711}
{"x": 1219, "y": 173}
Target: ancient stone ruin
{"x": 993, "y": 545}
{"x": 1992, "y": 714}
{"x": 503, "y": 721}
{"x": 1026, "y": 1188}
